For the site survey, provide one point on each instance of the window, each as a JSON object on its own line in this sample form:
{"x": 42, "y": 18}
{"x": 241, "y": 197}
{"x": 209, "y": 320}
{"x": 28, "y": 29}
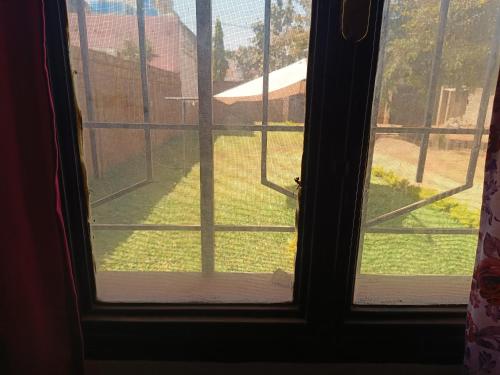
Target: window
{"x": 178, "y": 271}
{"x": 426, "y": 160}
{"x": 191, "y": 171}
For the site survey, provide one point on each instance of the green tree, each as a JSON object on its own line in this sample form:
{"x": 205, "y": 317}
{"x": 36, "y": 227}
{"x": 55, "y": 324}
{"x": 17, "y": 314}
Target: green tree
{"x": 411, "y": 36}
{"x": 289, "y": 39}
{"x": 130, "y": 51}
{"x": 220, "y": 63}
{"x": 164, "y": 6}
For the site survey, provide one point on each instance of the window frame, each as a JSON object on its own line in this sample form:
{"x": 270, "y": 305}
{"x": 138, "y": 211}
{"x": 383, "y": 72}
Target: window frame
{"x": 321, "y": 324}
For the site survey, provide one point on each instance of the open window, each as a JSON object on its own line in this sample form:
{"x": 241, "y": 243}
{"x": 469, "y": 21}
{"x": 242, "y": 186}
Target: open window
{"x": 206, "y": 125}
{"x": 437, "y": 70}
{"x": 193, "y": 117}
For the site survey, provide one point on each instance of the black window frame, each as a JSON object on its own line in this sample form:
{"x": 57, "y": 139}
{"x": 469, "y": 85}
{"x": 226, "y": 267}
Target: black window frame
{"x": 321, "y": 324}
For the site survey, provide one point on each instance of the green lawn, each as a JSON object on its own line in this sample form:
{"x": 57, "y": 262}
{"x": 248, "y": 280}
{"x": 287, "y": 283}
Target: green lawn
{"x": 174, "y": 199}
{"x": 240, "y": 198}
{"x": 417, "y": 254}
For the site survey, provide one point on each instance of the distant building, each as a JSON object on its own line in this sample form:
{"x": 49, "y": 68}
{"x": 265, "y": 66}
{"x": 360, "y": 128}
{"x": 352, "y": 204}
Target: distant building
{"x": 151, "y": 7}
{"x": 287, "y": 89}
{"x": 110, "y": 27}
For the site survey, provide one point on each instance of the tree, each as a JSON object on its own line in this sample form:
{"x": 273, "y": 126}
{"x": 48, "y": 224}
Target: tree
{"x": 219, "y": 64}
{"x": 289, "y": 39}
{"x": 130, "y": 51}
{"x": 411, "y": 36}
{"x": 164, "y": 6}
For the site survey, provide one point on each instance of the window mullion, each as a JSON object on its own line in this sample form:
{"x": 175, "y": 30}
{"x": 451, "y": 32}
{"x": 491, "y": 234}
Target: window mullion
{"x": 204, "y": 62}
{"x": 144, "y": 88}
{"x": 89, "y": 100}
{"x": 265, "y": 90}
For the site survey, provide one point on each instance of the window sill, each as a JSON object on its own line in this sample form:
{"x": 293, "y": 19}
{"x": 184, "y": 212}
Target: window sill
{"x": 411, "y": 290}
{"x": 191, "y": 287}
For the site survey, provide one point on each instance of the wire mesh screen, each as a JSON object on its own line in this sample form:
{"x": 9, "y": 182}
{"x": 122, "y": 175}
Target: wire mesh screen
{"x": 438, "y": 62}
{"x": 193, "y": 115}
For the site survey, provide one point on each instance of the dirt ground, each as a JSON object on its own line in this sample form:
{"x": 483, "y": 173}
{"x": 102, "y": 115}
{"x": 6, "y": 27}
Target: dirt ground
{"x": 444, "y": 169}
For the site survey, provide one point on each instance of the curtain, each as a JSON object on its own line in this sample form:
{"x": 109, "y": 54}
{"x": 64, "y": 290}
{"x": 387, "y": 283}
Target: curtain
{"x": 482, "y": 349}
{"x": 39, "y": 325}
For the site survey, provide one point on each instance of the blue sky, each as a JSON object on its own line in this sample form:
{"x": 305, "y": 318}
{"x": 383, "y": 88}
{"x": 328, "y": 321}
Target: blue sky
{"x": 236, "y": 16}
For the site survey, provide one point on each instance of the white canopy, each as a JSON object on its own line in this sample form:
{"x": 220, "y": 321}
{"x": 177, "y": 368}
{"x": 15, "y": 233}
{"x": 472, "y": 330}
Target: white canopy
{"x": 283, "y": 82}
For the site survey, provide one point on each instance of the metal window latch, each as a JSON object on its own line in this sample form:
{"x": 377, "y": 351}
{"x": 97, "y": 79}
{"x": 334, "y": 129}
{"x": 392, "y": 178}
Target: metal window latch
{"x": 355, "y": 19}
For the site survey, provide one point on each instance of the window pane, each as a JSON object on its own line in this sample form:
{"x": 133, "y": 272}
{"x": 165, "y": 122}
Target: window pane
{"x": 191, "y": 172}
{"x": 437, "y": 66}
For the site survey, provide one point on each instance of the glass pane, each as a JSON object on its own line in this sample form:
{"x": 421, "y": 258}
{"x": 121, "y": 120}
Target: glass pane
{"x": 438, "y": 64}
{"x": 191, "y": 172}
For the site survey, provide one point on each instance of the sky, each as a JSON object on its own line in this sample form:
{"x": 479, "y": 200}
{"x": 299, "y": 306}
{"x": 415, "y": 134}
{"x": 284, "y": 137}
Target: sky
{"x": 237, "y": 17}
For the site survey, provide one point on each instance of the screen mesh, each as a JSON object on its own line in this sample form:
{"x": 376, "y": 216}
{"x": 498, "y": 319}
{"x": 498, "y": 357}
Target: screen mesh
{"x": 438, "y": 63}
{"x": 191, "y": 171}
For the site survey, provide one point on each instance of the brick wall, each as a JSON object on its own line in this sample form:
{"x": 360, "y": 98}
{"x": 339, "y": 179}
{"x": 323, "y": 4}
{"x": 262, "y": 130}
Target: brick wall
{"x": 117, "y": 97}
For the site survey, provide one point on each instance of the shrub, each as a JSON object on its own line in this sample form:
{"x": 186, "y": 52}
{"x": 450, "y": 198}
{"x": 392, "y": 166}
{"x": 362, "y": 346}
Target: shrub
{"x": 455, "y": 209}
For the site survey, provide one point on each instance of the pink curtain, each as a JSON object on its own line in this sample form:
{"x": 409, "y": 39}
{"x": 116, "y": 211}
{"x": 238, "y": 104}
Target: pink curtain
{"x": 39, "y": 325}
{"x": 482, "y": 349}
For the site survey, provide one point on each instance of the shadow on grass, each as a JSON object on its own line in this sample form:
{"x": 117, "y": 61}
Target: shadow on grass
{"x": 383, "y": 199}
{"x": 172, "y": 162}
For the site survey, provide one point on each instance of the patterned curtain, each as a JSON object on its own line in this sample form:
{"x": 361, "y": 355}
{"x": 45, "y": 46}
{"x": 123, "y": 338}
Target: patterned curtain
{"x": 482, "y": 349}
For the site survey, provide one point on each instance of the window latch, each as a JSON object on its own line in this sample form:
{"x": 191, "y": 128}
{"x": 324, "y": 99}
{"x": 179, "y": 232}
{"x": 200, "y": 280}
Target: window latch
{"x": 355, "y": 19}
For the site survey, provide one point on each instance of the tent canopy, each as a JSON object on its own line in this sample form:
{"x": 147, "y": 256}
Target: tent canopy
{"x": 283, "y": 82}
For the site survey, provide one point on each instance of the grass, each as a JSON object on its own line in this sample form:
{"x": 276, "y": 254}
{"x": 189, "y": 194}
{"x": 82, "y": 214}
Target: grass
{"x": 240, "y": 199}
{"x": 416, "y": 254}
{"x": 173, "y": 198}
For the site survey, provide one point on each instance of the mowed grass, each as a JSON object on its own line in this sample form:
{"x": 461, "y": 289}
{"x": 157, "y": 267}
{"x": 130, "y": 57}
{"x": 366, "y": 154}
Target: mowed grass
{"x": 173, "y": 198}
{"x": 416, "y": 254}
{"x": 240, "y": 199}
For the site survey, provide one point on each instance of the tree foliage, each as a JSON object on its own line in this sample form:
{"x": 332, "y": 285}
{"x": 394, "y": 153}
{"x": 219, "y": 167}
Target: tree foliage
{"x": 220, "y": 63}
{"x": 130, "y": 51}
{"x": 289, "y": 39}
{"x": 411, "y": 38}
{"x": 164, "y": 6}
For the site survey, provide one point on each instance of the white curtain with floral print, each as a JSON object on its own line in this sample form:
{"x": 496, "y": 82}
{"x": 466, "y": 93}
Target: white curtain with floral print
{"x": 482, "y": 351}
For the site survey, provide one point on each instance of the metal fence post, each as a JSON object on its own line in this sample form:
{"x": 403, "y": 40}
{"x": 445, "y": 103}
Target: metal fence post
{"x": 204, "y": 59}
{"x": 144, "y": 87}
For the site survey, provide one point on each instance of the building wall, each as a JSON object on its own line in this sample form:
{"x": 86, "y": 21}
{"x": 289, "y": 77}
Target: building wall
{"x": 290, "y": 108}
{"x": 117, "y": 97}
{"x": 188, "y": 66}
